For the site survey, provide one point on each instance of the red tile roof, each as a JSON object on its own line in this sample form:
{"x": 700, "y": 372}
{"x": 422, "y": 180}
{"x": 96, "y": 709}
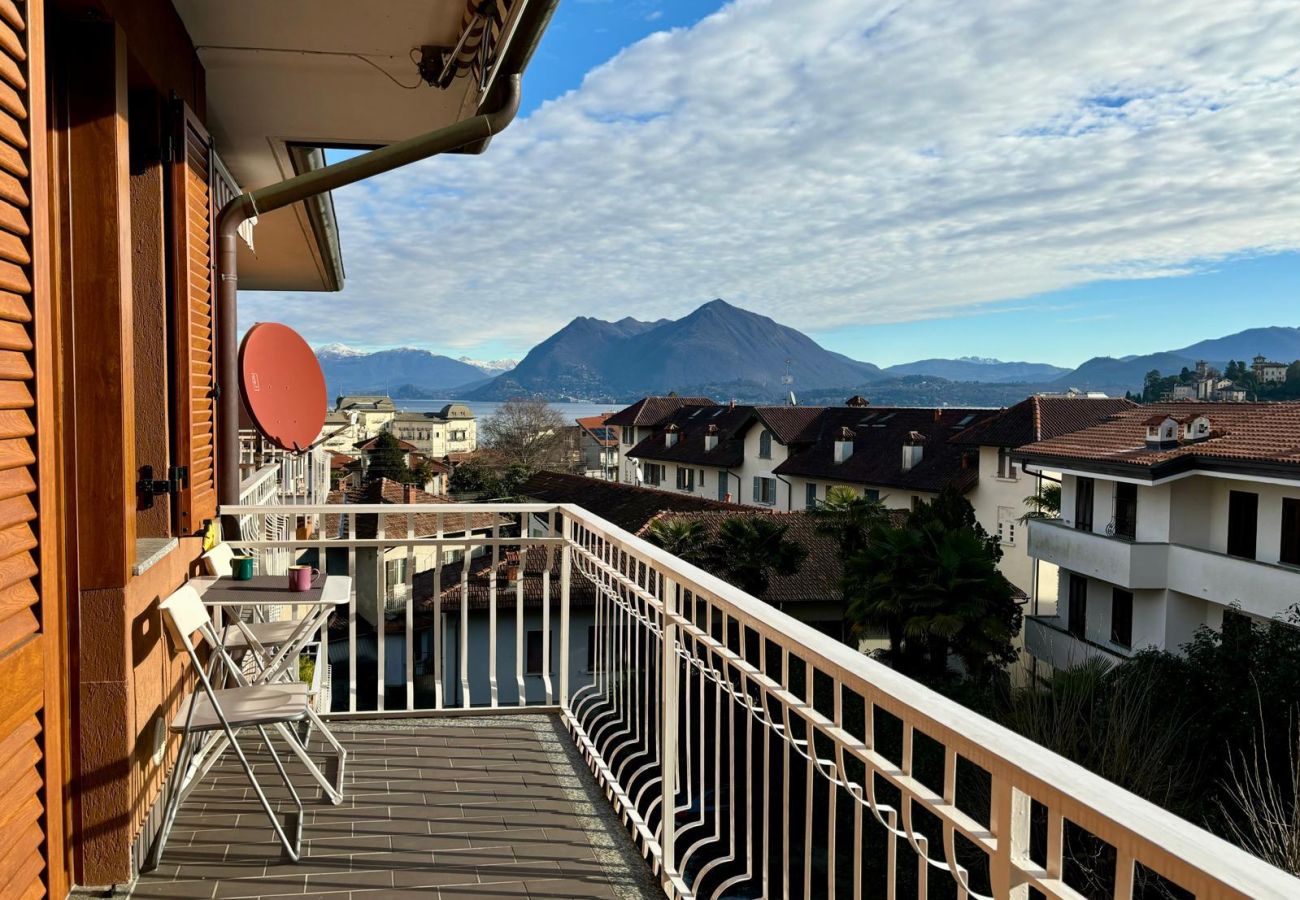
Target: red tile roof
{"x": 1244, "y": 436}
{"x": 1039, "y": 418}
{"x": 425, "y": 524}
{"x": 627, "y": 506}
{"x": 596, "y": 426}
{"x": 370, "y": 444}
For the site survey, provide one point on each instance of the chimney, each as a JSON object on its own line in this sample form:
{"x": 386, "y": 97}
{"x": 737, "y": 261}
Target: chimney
{"x": 913, "y": 449}
{"x": 938, "y": 414}
{"x": 512, "y": 567}
{"x": 670, "y": 435}
{"x": 857, "y": 401}
{"x": 844, "y": 445}
{"x": 407, "y": 491}
{"x": 710, "y": 438}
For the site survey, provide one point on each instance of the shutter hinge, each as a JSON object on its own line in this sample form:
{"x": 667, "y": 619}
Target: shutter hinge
{"x": 148, "y": 487}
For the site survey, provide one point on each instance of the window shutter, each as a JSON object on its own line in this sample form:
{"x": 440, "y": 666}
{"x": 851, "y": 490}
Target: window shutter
{"x": 194, "y": 397}
{"x": 31, "y": 771}
{"x": 758, "y": 489}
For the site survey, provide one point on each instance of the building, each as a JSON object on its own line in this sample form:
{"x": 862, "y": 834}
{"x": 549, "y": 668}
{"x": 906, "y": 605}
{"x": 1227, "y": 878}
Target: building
{"x": 637, "y": 421}
{"x": 999, "y": 493}
{"x": 1267, "y": 372}
{"x": 598, "y": 447}
{"x": 452, "y": 429}
{"x": 1171, "y": 517}
{"x": 623, "y": 505}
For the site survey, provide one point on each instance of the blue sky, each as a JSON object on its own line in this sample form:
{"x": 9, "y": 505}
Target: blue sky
{"x": 941, "y": 178}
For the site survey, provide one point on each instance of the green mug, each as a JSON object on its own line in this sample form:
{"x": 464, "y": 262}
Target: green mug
{"x": 241, "y": 568}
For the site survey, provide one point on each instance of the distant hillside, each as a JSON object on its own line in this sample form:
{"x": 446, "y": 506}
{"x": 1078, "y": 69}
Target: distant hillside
{"x": 1105, "y": 373}
{"x": 352, "y": 372}
{"x": 716, "y": 344}
{"x": 1277, "y": 343}
{"x": 969, "y": 368}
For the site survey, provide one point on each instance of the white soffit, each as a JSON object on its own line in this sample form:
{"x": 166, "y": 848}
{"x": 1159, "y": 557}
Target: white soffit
{"x": 288, "y": 72}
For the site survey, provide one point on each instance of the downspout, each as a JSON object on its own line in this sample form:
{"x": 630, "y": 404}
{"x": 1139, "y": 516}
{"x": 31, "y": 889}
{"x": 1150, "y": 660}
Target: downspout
{"x": 285, "y": 193}
{"x": 789, "y": 493}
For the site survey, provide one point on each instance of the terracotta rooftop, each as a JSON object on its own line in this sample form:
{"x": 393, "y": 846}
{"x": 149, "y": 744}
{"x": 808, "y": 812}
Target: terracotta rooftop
{"x": 401, "y": 445}
{"x": 627, "y": 506}
{"x": 653, "y": 411}
{"x": 1244, "y": 437}
{"x": 596, "y": 426}
{"x": 1040, "y": 418}
{"x": 425, "y": 524}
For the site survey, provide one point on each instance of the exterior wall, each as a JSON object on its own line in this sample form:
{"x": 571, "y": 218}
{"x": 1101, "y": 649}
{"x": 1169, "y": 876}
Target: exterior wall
{"x": 892, "y": 498}
{"x": 753, "y": 466}
{"x": 999, "y": 503}
{"x": 478, "y": 643}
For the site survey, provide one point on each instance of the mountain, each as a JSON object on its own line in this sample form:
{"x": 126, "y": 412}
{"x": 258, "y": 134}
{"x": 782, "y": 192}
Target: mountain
{"x": 353, "y": 372}
{"x": 1105, "y": 373}
{"x": 490, "y": 366}
{"x": 717, "y": 344}
{"x": 1277, "y": 343}
{"x": 973, "y": 368}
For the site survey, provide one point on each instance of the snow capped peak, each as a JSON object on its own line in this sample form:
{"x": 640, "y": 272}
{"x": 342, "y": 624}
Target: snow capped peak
{"x": 982, "y": 360}
{"x": 491, "y": 366}
{"x": 339, "y": 350}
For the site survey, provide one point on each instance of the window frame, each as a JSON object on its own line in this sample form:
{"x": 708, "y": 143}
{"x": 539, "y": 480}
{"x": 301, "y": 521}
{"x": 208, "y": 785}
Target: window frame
{"x": 528, "y": 652}
{"x": 1076, "y": 622}
{"x": 1084, "y": 512}
{"x": 1289, "y": 544}
{"x": 1121, "y": 598}
{"x": 1234, "y": 545}
{"x": 686, "y": 479}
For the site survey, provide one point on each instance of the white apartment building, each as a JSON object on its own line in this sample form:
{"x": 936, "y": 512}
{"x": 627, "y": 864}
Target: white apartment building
{"x": 1171, "y": 517}
{"x": 452, "y": 429}
{"x": 637, "y": 422}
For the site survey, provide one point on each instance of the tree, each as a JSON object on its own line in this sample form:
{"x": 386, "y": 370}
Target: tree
{"x": 1046, "y": 504}
{"x": 683, "y": 538}
{"x": 748, "y": 550}
{"x": 849, "y": 517}
{"x": 387, "y": 459}
{"x": 526, "y": 433}
{"x": 472, "y": 477}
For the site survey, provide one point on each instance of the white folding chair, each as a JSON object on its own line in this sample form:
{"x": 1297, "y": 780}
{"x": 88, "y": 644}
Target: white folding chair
{"x": 214, "y": 713}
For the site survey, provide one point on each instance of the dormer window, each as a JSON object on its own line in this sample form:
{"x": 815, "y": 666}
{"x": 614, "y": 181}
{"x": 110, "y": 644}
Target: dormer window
{"x": 1196, "y": 429}
{"x": 670, "y": 436}
{"x": 913, "y": 449}
{"x": 1162, "y": 430}
{"x": 711, "y": 438}
{"x": 844, "y": 445}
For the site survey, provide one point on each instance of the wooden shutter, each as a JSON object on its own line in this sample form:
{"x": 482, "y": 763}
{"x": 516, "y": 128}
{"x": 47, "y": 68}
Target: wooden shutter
{"x": 31, "y": 851}
{"x": 193, "y": 283}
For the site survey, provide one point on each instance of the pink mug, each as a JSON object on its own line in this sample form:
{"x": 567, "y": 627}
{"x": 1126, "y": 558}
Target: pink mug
{"x": 301, "y": 577}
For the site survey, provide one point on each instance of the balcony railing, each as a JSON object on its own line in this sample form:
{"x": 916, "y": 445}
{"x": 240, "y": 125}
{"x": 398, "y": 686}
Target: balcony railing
{"x": 748, "y": 754}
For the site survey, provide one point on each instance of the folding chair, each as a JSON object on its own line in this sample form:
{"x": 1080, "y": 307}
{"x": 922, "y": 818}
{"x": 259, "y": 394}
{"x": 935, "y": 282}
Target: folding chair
{"x": 222, "y": 712}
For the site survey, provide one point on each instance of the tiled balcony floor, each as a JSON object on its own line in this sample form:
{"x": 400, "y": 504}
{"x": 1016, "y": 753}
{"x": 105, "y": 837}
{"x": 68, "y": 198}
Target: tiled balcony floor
{"x": 441, "y": 810}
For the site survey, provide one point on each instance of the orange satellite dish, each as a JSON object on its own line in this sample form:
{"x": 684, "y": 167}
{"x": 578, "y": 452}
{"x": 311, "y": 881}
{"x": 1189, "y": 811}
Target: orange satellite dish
{"x": 282, "y": 385}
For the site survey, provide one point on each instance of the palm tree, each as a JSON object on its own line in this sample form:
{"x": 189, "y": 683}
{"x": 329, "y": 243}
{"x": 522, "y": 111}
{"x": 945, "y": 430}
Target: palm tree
{"x": 683, "y": 538}
{"x": 849, "y": 517}
{"x": 1046, "y": 504}
{"x": 749, "y": 550}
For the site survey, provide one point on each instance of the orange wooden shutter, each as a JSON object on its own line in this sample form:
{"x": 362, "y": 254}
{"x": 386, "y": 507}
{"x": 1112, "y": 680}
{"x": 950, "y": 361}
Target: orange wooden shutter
{"x": 192, "y": 306}
{"x": 30, "y": 768}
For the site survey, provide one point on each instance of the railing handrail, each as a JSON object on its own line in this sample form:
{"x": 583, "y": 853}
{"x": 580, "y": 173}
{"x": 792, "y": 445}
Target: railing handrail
{"x": 1193, "y": 847}
{"x": 254, "y": 481}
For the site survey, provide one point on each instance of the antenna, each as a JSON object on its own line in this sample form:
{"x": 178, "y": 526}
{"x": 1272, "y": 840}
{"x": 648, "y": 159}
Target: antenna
{"x": 787, "y": 378}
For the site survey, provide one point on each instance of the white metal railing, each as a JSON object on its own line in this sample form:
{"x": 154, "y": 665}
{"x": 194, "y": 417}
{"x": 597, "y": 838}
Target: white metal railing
{"x": 748, "y": 754}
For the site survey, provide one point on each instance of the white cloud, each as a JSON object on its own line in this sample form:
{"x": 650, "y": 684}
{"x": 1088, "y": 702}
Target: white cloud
{"x": 843, "y": 162}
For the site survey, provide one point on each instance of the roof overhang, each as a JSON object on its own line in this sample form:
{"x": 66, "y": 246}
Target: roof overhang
{"x": 289, "y": 77}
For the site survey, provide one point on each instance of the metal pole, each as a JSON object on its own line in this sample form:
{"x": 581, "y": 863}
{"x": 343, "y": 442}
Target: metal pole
{"x": 310, "y": 184}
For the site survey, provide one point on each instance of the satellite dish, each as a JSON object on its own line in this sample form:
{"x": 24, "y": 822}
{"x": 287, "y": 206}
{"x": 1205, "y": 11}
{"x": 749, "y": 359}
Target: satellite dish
{"x": 282, "y": 385}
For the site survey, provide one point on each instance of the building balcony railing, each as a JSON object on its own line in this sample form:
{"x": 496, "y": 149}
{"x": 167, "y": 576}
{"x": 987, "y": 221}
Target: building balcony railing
{"x": 1047, "y": 638}
{"x": 746, "y": 753}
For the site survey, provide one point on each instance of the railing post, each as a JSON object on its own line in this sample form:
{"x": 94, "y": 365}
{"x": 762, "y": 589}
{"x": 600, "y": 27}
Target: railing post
{"x": 566, "y": 562}
{"x": 668, "y": 736}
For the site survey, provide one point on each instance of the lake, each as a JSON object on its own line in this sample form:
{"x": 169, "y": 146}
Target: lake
{"x": 484, "y": 408}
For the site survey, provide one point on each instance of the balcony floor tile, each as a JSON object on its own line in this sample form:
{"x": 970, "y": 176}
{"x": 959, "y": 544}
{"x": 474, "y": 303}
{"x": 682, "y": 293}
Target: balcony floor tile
{"x": 439, "y": 809}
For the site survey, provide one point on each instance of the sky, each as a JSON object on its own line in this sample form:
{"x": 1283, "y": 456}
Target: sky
{"x": 1020, "y": 179}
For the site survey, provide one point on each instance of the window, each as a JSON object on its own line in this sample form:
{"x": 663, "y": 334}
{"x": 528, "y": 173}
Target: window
{"x": 872, "y": 494}
{"x": 1243, "y": 523}
{"x": 1078, "y": 613}
{"x": 653, "y": 473}
{"x": 810, "y": 495}
{"x": 765, "y": 444}
{"x": 1126, "y": 505}
{"x": 627, "y": 435}
{"x": 1121, "y": 617}
{"x": 395, "y": 569}
{"x": 765, "y": 490}
{"x": 724, "y": 478}
{"x": 1006, "y": 468}
{"x": 685, "y": 479}
{"x": 533, "y": 653}
{"x": 1007, "y": 522}
{"x": 1290, "y": 551}
{"x": 1083, "y": 493}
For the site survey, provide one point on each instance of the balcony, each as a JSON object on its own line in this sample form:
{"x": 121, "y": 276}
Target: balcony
{"x": 743, "y": 753}
{"x": 1127, "y": 563}
{"x": 1046, "y": 638}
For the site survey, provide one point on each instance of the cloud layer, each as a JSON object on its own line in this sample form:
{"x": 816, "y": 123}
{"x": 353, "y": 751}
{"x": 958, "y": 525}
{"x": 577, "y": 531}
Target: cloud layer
{"x": 843, "y": 162}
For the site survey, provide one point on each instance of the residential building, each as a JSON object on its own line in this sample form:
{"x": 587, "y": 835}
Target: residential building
{"x": 623, "y": 505}
{"x": 1267, "y": 372}
{"x": 1172, "y": 516}
{"x": 452, "y": 429}
{"x": 1000, "y": 492}
{"x": 598, "y": 447}
{"x": 637, "y": 421}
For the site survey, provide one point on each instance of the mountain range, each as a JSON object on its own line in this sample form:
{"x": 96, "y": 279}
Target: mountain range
{"x": 724, "y": 351}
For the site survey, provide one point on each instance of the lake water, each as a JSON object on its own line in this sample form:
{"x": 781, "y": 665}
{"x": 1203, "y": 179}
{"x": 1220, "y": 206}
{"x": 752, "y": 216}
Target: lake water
{"x": 484, "y": 408}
